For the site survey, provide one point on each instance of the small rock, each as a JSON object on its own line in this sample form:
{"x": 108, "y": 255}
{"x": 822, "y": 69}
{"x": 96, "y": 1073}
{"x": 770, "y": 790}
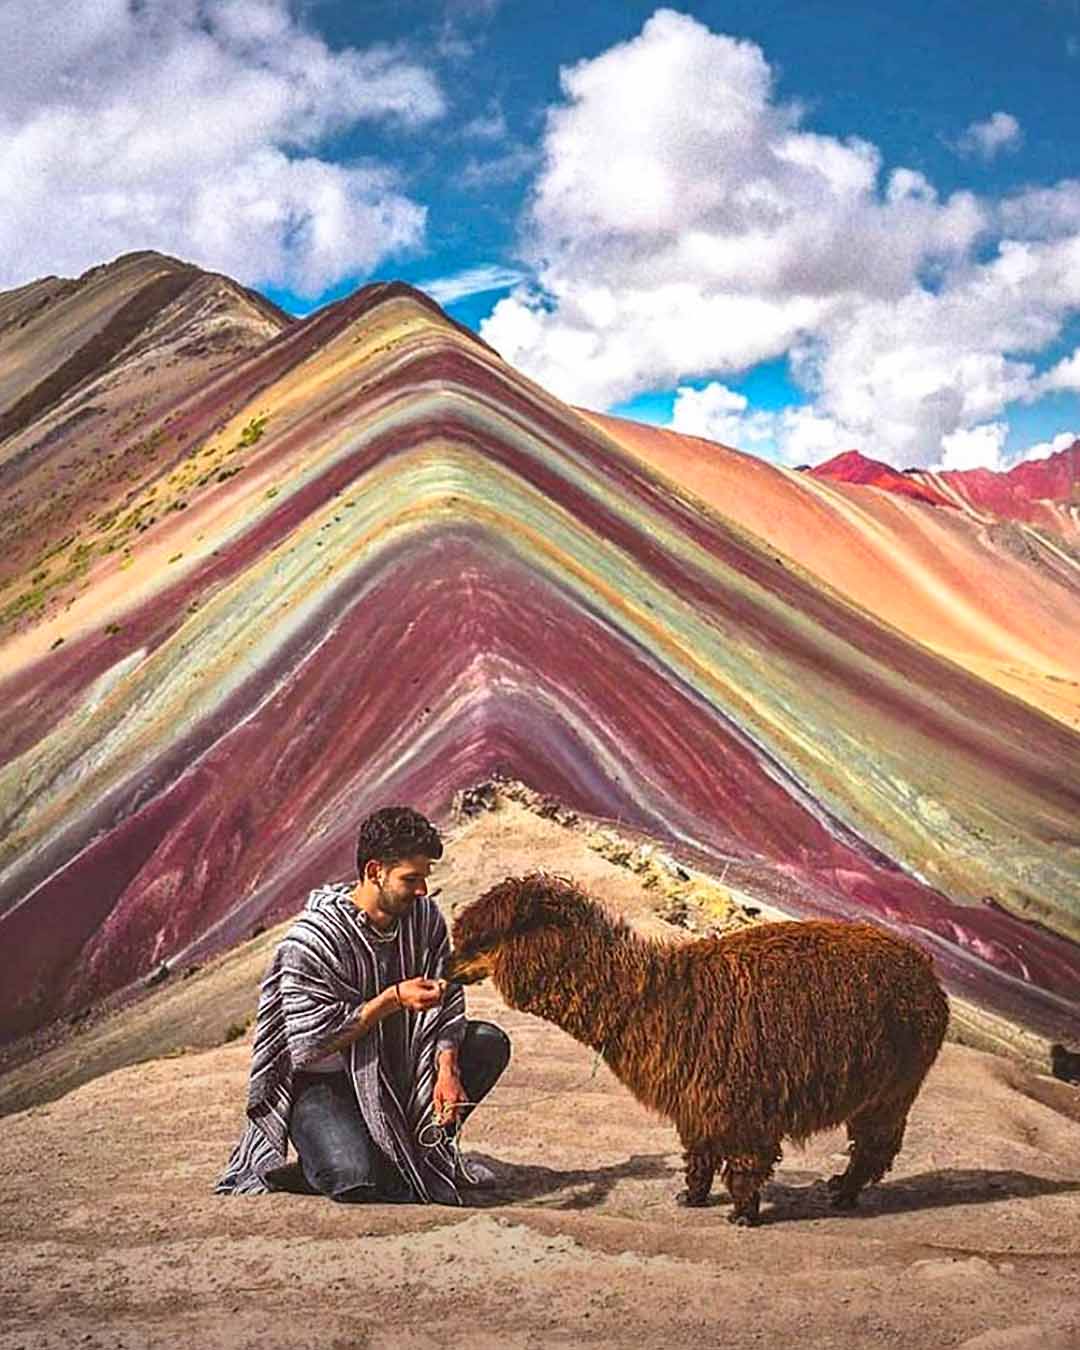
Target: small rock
{"x": 156, "y": 976}
{"x": 935, "y": 1268}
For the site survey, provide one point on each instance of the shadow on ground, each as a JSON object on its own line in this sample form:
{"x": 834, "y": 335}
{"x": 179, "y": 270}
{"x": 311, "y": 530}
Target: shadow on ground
{"x": 926, "y": 1190}
{"x": 517, "y": 1184}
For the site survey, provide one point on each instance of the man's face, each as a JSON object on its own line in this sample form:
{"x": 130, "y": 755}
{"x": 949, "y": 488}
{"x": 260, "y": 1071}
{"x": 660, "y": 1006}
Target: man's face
{"x": 400, "y": 883}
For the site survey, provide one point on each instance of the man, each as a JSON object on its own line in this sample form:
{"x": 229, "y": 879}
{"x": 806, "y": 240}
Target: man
{"x": 359, "y": 1043}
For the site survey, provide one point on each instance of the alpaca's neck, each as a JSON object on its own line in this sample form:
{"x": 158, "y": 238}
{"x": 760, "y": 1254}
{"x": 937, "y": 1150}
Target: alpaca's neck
{"x": 589, "y": 982}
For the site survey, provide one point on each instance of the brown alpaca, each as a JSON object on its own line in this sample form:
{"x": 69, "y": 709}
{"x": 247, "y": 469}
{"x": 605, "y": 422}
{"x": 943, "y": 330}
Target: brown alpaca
{"x": 775, "y": 1031}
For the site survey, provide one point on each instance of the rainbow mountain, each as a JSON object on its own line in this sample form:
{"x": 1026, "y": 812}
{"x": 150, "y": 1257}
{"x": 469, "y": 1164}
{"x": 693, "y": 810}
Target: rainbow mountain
{"x": 260, "y": 576}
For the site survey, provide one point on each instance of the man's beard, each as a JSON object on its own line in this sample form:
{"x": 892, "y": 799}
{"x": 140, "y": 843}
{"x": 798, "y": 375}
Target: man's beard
{"x": 393, "y": 907}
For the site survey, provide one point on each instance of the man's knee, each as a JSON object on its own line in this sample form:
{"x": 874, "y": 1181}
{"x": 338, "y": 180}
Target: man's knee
{"x": 492, "y": 1043}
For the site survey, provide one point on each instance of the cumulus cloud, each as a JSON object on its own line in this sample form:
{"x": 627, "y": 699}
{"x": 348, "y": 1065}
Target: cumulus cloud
{"x": 1042, "y": 213}
{"x": 1001, "y": 131}
{"x": 192, "y": 126}
{"x": 1065, "y": 375}
{"x": 790, "y": 436}
{"x": 977, "y": 447}
{"x": 1044, "y": 449}
{"x": 800, "y": 435}
{"x": 695, "y": 226}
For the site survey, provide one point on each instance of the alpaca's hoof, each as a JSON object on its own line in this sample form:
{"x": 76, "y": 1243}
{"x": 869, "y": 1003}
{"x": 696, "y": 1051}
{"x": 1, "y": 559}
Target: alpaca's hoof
{"x": 841, "y": 1196}
{"x": 689, "y": 1201}
{"x": 744, "y": 1220}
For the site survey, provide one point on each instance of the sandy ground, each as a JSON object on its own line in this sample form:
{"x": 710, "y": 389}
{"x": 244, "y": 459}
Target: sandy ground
{"x": 110, "y": 1234}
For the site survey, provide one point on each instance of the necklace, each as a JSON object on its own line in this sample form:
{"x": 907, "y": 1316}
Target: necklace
{"x": 380, "y": 936}
{"x": 373, "y": 931}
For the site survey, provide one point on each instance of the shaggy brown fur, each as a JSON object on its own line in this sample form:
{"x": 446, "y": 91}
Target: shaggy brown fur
{"x": 774, "y": 1031}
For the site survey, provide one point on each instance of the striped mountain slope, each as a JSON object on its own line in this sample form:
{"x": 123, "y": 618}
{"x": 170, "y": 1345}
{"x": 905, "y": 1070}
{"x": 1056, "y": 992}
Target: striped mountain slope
{"x": 369, "y": 562}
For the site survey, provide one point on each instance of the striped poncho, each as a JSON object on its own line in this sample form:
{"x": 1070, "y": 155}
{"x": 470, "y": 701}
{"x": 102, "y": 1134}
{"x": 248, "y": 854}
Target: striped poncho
{"x": 324, "y": 969}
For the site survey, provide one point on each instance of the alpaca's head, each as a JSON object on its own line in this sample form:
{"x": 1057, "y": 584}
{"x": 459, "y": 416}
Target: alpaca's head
{"x": 514, "y": 917}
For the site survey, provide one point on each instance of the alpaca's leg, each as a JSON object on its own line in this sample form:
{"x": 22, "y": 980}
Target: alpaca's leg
{"x": 700, "y": 1169}
{"x": 744, "y": 1175}
{"x": 876, "y": 1137}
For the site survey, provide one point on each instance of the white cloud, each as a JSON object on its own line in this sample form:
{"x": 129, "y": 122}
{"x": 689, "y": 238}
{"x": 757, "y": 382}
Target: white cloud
{"x": 487, "y": 126}
{"x": 1042, "y": 213}
{"x": 716, "y": 231}
{"x": 684, "y": 225}
{"x": 790, "y": 436}
{"x": 1065, "y": 375}
{"x": 1001, "y": 131}
{"x": 471, "y": 281}
{"x": 514, "y": 162}
{"x": 191, "y": 126}
{"x": 1044, "y": 449}
{"x": 977, "y": 447}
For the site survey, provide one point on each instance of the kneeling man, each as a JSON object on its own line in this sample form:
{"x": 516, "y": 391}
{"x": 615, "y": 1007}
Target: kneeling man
{"x": 358, "y": 1041}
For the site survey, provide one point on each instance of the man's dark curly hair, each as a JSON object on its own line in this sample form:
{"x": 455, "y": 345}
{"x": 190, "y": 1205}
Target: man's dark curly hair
{"x": 394, "y": 833}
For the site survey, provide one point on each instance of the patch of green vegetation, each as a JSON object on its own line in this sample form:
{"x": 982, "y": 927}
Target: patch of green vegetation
{"x": 132, "y": 519}
{"x": 254, "y": 430}
{"x": 81, "y": 554}
{"x": 111, "y": 629}
{"x": 64, "y": 543}
{"x": 42, "y": 584}
{"x": 23, "y": 603}
{"x": 272, "y": 492}
{"x": 229, "y": 473}
{"x": 58, "y": 643}
{"x": 176, "y": 557}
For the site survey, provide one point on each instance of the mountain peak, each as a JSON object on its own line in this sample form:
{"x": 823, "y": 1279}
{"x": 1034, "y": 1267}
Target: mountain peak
{"x": 852, "y": 466}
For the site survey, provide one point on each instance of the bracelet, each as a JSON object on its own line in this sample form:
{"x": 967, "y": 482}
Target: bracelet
{"x": 397, "y": 992}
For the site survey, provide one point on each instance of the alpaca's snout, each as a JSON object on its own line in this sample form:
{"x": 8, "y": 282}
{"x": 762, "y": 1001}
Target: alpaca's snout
{"x": 468, "y": 969}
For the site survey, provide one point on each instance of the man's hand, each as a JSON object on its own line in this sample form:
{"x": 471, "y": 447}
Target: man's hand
{"x": 448, "y": 1096}
{"x": 420, "y": 994}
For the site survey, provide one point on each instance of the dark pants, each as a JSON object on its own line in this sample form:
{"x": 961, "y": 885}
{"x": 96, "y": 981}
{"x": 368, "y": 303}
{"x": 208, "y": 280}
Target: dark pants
{"x": 338, "y": 1156}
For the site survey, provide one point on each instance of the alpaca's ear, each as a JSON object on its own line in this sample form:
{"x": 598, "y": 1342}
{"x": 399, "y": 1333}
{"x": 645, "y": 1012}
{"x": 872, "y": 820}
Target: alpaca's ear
{"x": 552, "y": 901}
{"x": 528, "y": 905}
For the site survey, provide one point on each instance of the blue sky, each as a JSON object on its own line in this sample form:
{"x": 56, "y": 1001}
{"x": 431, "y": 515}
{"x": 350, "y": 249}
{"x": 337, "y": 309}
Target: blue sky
{"x": 794, "y": 227}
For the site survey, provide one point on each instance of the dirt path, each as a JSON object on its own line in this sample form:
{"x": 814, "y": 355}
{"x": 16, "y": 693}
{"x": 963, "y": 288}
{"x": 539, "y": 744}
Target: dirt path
{"x": 110, "y": 1235}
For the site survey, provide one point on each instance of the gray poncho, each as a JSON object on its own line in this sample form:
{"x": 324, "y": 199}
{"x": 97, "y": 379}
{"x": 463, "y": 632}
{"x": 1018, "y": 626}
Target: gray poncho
{"x": 324, "y": 969}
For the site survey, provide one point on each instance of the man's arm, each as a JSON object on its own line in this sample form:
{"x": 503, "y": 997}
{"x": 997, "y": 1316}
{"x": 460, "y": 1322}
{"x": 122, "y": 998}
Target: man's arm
{"x": 365, "y": 1019}
{"x": 418, "y": 995}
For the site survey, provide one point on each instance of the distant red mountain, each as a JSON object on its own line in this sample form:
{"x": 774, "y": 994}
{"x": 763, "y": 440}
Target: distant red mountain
{"x": 853, "y": 467}
{"x": 1038, "y": 491}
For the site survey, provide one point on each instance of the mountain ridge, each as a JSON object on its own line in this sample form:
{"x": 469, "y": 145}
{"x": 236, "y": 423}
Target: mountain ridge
{"x": 379, "y": 564}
